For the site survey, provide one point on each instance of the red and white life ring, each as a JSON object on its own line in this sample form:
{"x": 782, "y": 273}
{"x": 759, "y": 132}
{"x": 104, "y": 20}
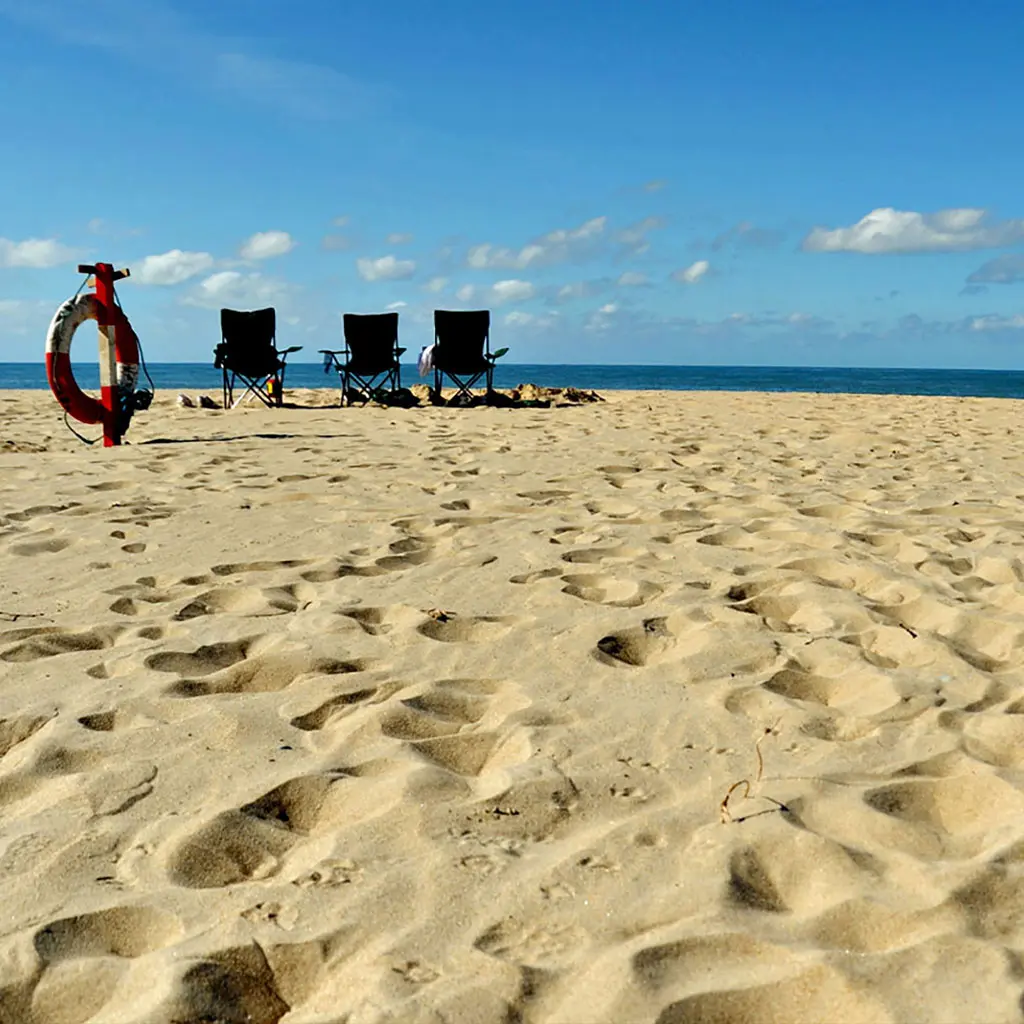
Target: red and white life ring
{"x": 71, "y": 315}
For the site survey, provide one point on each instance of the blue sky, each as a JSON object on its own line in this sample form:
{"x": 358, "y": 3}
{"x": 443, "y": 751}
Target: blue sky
{"x": 797, "y": 183}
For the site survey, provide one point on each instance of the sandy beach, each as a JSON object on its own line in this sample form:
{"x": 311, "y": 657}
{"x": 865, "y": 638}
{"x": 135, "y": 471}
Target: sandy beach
{"x": 676, "y": 707}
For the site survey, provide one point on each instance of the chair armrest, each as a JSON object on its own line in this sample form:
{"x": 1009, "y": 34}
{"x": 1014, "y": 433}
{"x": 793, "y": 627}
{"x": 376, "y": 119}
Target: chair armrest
{"x": 399, "y": 351}
{"x": 330, "y": 351}
{"x": 497, "y": 355}
{"x": 294, "y": 348}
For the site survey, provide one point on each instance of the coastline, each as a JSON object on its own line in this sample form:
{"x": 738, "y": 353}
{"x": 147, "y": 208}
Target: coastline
{"x": 1004, "y": 383}
{"x": 398, "y": 713}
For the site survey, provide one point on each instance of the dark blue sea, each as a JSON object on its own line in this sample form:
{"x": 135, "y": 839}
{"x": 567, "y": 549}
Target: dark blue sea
{"x": 977, "y": 383}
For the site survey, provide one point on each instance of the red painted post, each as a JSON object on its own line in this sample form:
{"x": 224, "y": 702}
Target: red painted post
{"x": 106, "y": 319}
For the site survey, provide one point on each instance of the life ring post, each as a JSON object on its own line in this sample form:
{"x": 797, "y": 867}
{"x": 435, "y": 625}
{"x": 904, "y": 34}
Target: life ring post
{"x": 118, "y": 350}
{"x": 105, "y": 320}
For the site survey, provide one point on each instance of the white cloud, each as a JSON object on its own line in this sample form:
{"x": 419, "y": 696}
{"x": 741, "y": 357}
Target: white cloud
{"x": 266, "y": 244}
{"x": 436, "y": 284}
{"x": 693, "y": 273}
{"x": 534, "y": 321}
{"x": 340, "y": 222}
{"x": 398, "y": 238}
{"x": 498, "y": 294}
{"x": 172, "y": 267}
{"x": 886, "y": 230}
{"x": 386, "y": 268}
{"x": 797, "y": 321}
{"x": 392, "y": 306}
{"x": 991, "y": 322}
{"x": 632, "y": 279}
{"x": 634, "y": 237}
{"x": 37, "y": 253}
{"x": 580, "y": 290}
{"x": 512, "y": 291}
{"x": 602, "y": 319}
{"x": 554, "y": 247}
{"x": 655, "y": 186}
{"x": 234, "y": 289}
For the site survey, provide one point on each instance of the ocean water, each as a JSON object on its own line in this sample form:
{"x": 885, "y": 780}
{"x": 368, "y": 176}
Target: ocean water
{"x": 202, "y": 377}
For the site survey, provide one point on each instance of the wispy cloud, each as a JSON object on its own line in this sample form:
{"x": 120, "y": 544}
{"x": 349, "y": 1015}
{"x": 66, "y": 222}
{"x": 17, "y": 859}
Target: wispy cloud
{"x": 335, "y": 243}
{"x": 139, "y": 31}
{"x": 632, "y": 279}
{"x": 25, "y": 316}
{"x": 556, "y": 246}
{"x": 633, "y": 238}
{"x": 1002, "y": 270}
{"x": 747, "y": 234}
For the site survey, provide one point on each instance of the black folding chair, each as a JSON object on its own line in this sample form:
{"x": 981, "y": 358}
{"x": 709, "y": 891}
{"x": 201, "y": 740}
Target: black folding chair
{"x": 371, "y": 355}
{"x": 462, "y": 351}
{"x": 248, "y": 353}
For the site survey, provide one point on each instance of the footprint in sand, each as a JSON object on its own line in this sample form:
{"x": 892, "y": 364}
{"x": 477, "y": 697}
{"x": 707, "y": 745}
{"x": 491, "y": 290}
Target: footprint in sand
{"x": 440, "y": 726}
{"x": 83, "y": 959}
{"x": 618, "y": 593}
{"x": 50, "y": 642}
{"x": 443, "y": 709}
{"x": 796, "y": 872}
{"x": 229, "y": 668}
{"x": 253, "y": 602}
{"x": 128, "y": 932}
{"x": 337, "y": 569}
{"x": 340, "y": 705}
{"x": 376, "y": 621}
{"x": 453, "y": 629}
{"x": 241, "y": 568}
{"x": 48, "y": 546}
{"x": 19, "y": 728}
{"x": 650, "y": 642}
{"x": 250, "y": 843}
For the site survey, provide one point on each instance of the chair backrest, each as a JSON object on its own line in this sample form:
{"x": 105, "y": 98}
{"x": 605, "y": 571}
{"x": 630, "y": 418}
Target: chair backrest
{"x": 462, "y": 339}
{"x": 248, "y": 340}
{"x": 371, "y": 339}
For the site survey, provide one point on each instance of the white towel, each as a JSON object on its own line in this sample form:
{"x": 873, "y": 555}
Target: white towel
{"x": 426, "y": 361}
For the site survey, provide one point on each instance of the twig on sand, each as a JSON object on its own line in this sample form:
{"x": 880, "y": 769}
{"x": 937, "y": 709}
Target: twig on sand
{"x": 723, "y": 808}
{"x": 439, "y": 615}
{"x": 14, "y": 616}
{"x": 903, "y": 625}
